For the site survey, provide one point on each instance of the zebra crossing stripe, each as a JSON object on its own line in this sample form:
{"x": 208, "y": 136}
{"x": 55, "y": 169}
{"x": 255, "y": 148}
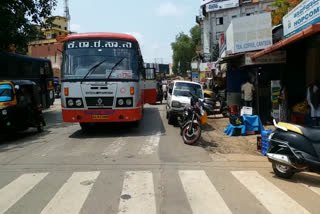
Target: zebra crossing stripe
{"x": 72, "y": 195}
{"x": 202, "y": 195}
{"x": 313, "y": 188}
{"x": 115, "y": 147}
{"x": 151, "y": 145}
{"x": 14, "y": 191}
{"x": 137, "y": 195}
{"x": 271, "y": 197}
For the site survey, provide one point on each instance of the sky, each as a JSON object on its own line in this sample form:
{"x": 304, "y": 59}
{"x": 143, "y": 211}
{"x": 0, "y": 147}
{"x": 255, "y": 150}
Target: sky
{"x": 155, "y": 23}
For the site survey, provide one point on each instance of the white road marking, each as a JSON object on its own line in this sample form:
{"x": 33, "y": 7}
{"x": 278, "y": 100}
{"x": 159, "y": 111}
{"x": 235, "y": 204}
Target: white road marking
{"x": 137, "y": 195}
{"x": 151, "y": 145}
{"x": 115, "y": 147}
{"x": 14, "y": 191}
{"x": 271, "y": 197}
{"x": 202, "y": 195}
{"x": 72, "y": 195}
{"x": 313, "y": 188}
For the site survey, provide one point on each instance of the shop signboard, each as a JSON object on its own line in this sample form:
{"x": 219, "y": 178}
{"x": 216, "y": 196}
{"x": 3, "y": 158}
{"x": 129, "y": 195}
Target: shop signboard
{"x": 302, "y": 16}
{"x": 249, "y": 33}
{"x": 203, "y": 2}
{"x": 221, "y": 5}
{"x": 202, "y": 76}
{"x": 195, "y": 76}
{"x": 277, "y": 57}
{"x": 207, "y": 66}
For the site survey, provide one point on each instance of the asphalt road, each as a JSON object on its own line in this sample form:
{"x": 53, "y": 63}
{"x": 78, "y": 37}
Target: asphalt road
{"x": 120, "y": 168}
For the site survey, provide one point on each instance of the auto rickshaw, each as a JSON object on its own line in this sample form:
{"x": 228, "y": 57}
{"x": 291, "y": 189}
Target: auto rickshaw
{"x": 20, "y": 106}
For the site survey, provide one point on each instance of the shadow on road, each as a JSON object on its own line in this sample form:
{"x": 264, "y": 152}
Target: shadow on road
{"x": 15, "y": 140}
{"x": 311, "y": 180}
{"x": 151, "y": 124}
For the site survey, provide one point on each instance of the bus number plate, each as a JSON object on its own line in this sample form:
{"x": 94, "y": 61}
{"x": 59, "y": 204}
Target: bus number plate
{"x": 100, "y": 117}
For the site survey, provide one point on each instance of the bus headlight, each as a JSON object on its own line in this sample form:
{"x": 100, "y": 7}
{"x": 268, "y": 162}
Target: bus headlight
{"x": 70, "y": 103}
{"x": 120, "y": 102}
{"x": 128, "y": 102}
{"x": 78, "y": 102}
{"x": 4, "y": 112}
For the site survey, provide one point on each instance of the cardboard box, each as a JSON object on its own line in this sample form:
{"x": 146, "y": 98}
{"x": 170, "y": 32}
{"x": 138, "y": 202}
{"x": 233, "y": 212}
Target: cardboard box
{"x": 246, "y": 110}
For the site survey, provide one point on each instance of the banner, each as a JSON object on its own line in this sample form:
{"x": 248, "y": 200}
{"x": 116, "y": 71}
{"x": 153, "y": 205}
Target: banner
{"x": 221, "y": 5}
{"x": 302, "y": 16}
{"x": 249, "y": 33}
{"x": 202, "y": 76}
{"x": 203, "y": 2}
{"x": 195, "y": 76}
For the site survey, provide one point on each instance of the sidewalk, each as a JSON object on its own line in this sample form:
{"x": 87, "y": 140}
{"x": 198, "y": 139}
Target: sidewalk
{"x": 224, "y": 147}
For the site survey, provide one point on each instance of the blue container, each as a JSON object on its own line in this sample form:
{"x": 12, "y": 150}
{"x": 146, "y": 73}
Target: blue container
{"x": 264, "y": 141}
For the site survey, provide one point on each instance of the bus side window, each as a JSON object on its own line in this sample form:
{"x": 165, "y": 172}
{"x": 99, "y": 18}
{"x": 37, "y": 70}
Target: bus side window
{"x": 36, "y": 69}
{"x": 13, "y": 67}
{"x": 48, "y": 69}
{"x": 27, "y": 69}
{"x": 3, "y": 66}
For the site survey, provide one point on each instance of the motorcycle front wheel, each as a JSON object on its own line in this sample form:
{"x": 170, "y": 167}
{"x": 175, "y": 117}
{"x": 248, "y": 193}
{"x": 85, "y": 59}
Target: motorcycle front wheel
{"x": 282, "y": 171}
{"x": 191, "y": 137}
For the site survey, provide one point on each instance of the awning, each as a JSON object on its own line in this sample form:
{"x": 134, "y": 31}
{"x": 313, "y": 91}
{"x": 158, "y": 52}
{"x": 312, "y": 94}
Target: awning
{"x": 297, "y": 37}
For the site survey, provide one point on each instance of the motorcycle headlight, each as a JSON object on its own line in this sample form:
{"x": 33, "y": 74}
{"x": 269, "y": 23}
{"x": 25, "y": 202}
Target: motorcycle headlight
{"x": 128, "y": 102}
{"x": 4, "y": 112}
{"x": 175, "y": 104}
{"x": 120, "y": 102}
{"x": 78, "y": 102}
{"x": 70, "y": 103}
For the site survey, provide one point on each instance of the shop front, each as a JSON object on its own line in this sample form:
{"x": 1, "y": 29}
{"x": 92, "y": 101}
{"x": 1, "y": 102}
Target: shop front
{"x": 263, "y": 74}
{"x": 302, "y": 69}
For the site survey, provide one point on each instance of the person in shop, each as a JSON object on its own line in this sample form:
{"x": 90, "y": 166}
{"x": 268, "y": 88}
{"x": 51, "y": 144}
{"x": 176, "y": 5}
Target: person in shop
{"x": 283, "y": 100}
{"x": 247, "y": 90}
{"x": 313, "y": 98}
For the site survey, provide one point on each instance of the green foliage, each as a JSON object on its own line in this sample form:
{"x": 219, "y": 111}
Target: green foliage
{"x": 184, "y": 50}
{"x": 282, "y": 7}
{"x": 18, "y": 18}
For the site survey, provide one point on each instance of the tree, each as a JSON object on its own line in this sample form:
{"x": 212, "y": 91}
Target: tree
{"x": 282, "y": 7}
{"x": 184, "y": 49}
{"x": 18, "y": 20}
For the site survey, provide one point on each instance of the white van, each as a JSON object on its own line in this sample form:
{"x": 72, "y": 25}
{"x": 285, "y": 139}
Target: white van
{"x": 179, "y": 96}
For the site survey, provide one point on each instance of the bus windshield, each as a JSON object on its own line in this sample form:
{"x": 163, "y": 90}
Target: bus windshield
{"x": 103, "y": 56}
{"x": 6, "y": 93}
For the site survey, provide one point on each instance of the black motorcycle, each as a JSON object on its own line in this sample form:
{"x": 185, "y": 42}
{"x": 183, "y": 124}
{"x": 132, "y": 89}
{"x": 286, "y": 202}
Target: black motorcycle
{"x": 190, "y": 121}
{"x": 293, "y": 149}
{"x": 217, "y": 105}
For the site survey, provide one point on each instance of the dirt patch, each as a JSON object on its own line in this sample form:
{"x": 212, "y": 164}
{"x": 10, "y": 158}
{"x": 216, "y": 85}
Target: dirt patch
{"x": 224, "y": 144}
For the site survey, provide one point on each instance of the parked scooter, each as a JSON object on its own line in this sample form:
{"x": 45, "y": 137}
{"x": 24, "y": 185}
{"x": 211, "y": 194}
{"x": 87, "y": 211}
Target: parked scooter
{"x": 191, "y": 120}
{"x": 216, "y": 106}
{"x": 293, "y": 149}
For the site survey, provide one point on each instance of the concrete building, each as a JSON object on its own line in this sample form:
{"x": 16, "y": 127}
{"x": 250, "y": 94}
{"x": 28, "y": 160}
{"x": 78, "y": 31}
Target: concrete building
{"x": 51, "y": 46}
{"x": 215, "y": 17}
{"x": 59, "y": 28}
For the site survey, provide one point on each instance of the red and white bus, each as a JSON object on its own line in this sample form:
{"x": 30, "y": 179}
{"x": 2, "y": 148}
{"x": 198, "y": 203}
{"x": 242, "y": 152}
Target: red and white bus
{"x": 104, "y": 79}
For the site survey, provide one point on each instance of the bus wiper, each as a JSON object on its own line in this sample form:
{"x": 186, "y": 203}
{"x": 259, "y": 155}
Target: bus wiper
{"x": 92, "y": 69}
{"x": 115, "y": 65}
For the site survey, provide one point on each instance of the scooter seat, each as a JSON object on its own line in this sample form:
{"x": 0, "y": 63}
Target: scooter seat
{"x": 312, "y": 134}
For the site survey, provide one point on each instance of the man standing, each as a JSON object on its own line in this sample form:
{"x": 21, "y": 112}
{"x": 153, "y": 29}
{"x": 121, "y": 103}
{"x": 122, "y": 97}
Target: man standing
{"x": 313, "y": 97}
{"x": 247, "y": 93}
